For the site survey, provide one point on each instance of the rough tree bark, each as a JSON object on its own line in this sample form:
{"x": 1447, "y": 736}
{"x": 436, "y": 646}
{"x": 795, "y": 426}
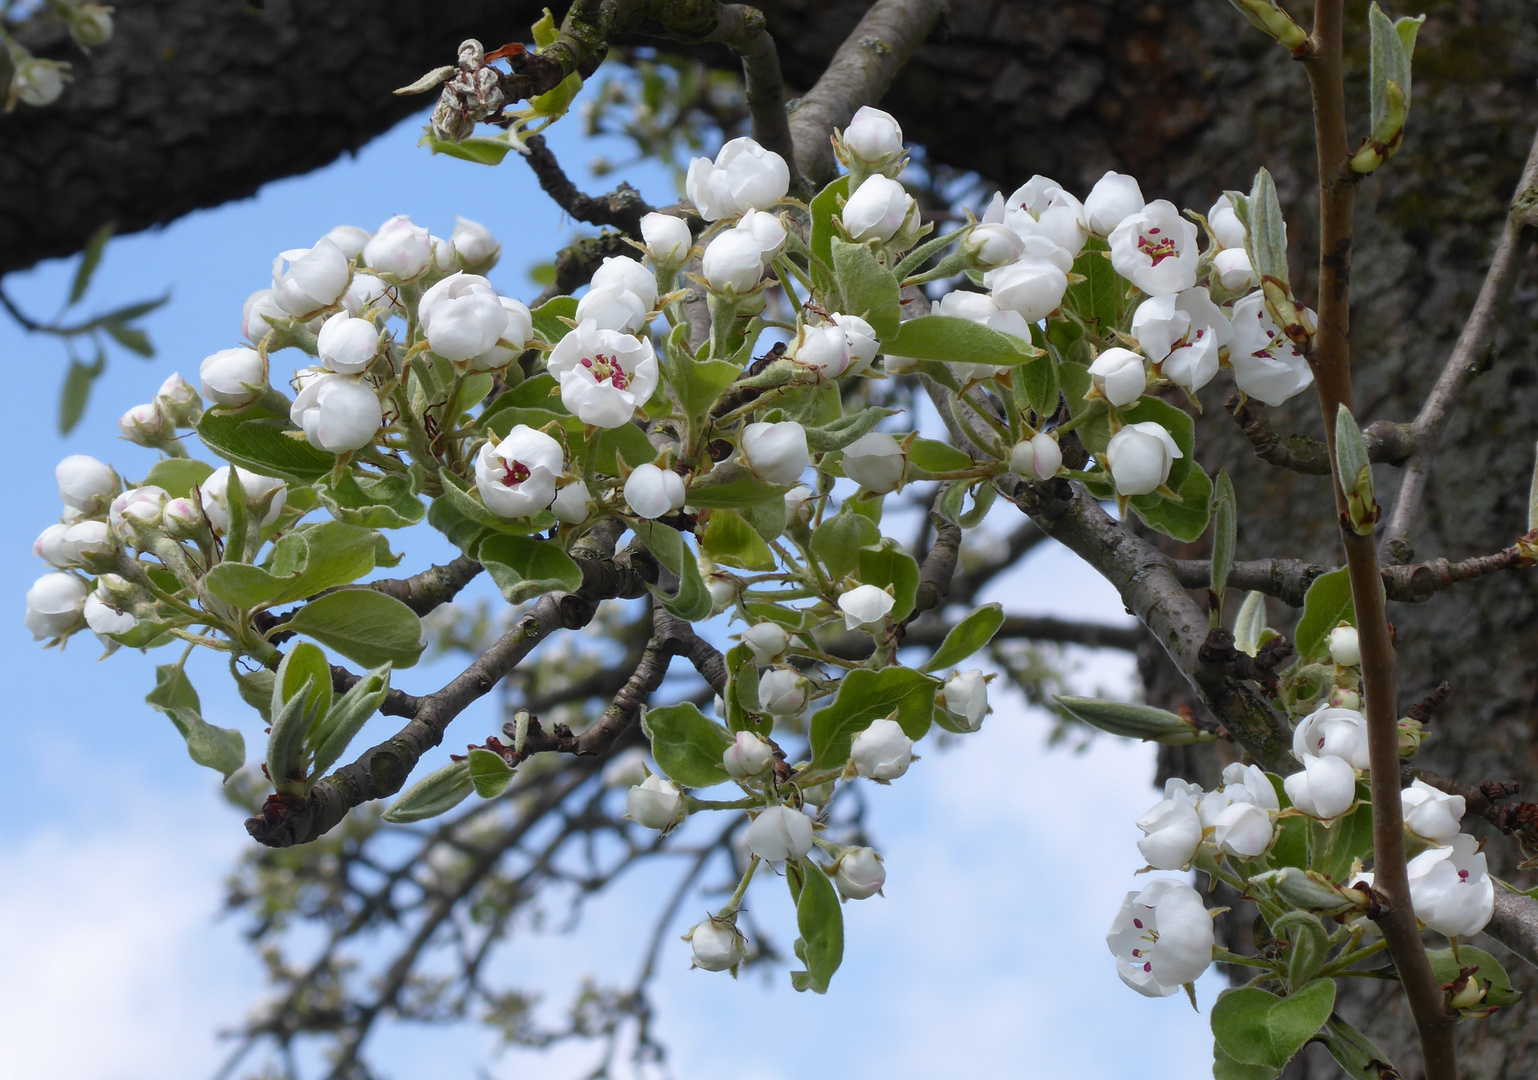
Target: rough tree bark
{"x": 195, "y": 104}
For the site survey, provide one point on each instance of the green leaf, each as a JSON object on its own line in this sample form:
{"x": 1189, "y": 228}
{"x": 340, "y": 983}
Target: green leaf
{"x": 697, "y": 383}
{"x": 77, "y": 391}
{"x": 1391, "y": 46}
{"x": 686, "y": 744}
{"x": 90, "y": 259}
{"x": 1225, "y": 533}
{"x": 743, "y": 708}
{"x": 943, "y": 337}
{"x": 1532, "y": 500}
{"x": 1250, "y": 623}
{"x": 824, "y": 208}
{"x": 257, "y": 440}
{"x": 130, "y": 337}
{"x": 1184, "y": 521}
{"x": 730, "y": 484}
{"x": 820, "y": 921}
{"x": 524, "y": 568}
{"x": 178, "y": 476}
{"x": 626, "y": 443}
{"x": 1226, "y": 1068}
{"x": 347, "y": 717}
{"x": 255, "y": 689}
{"x": 933, "y": 456}
{"x": 869, "y": 289}
{"x": 768, "y": 518}
{"x": 837, "y": 541}
{"x": 385, "y": 502}
{"x": 1350, "y": 839}
{"x": 864, "y": 696}
{"x": 305, "y": 562}
{"x": 731, "y": 541}
{"x": 1356, "y": 1053}
{"x": 1256, "y": 1027}
{"x": 547, "y": 318}
{"x": 1266, "y": 240}
{"x": 220, "y": 749}
{"x": 304, "y": 670}
{"x": 479, "y": 149}
{"x": 1326, "y": 605}
{"x": 887, "y": 564}
{"x": 436, "y": 793}
{"x": 365, "y": 626}
{"x": 1094, "y": 431}
{"x": 1132, "y": 721}
{"x": 1036, "y": 386}
{"x": 1445, "y": 967}
{"x": 968, "y": 636}
{"x": 463, "y": 531}
{"x": 693, "y": 600}
{"x": 1100, "y": 298}
{"x": 845, "y": 430}
{"x": 1308, "y": 945}
{"x": 489, "y": 773}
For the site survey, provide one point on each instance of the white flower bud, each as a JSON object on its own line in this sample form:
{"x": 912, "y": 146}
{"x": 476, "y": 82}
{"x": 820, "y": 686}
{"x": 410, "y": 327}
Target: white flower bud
{"x": 878, "y": 210}
{"x": 782, "y": 691}
{"x": 767, "y": 230}
{"x": 992, "y": 246}
{"x": 964, "y": 697}
{"x": 651, "y": 492}
{"x": 667, "y": 240}
{"x": 261, "y": 314}
{"x": 777, "y": 453}
{"x": 743, "y": 177}
{"x": 338, "y": 413}
{"x": 1267, "y": 365}
{"x": 881, "y": 751}
{"x": 137, "y": 510}
{"x": 862, "y": 340}
{"x": 1430, "y": 814}
{"x": 1225, "y": 225}
{"x": 91, "y": 24}
{"x": 733, "y": 263}
{"x": 824, "y": 348}
{"x": 49, "y": 546}
{"x": 1119, "y": 375}
{"x": 865, "y": 607}
{"x": 573, "y": 503}
{"x": 144, "y": 425}
{"x": 1325, "y": 789}
{"x": 1032, "y": 287}
{"x": 722, "y": 588}
{"x": 797, "y": 500}
{"x": 748, "y": 756}
{"x": 779, "y": 833}
{"x": 1345, "y": 648}
{"x": 74, "y": 545}
{"x": 461, "y": 316}
{"x": 184, "y": 520}
{"x": 350, "y": 239}
{"x": 1156, "y": 249}
{"x": 399, "y": 248}
{"x": 1233, "y": 269}
{"x": 104, "y": 620}
{"x": 1036, "y": 458}
{"x": 215, "y": 493}
{"x": 1172, "y": 831}
{"x": 54, "y": 606}
{"x": 626, "y": 769}
{"x": 367, "y": 295}
{"x": 655, "y": 803}
{"x": 605, "y": 375}
{"x": 38, "y": 82}
{"x": 347, "y": 345}
{"x": 768, "y": 640}
{"x": 473, "y": 243}
{"x": 233, "y": 377}
{"x": 85, "y": 484}
{"x": 314, "y": 278}
{"x": 876, "y": 462}
{"x": 516, "y": 335}
{"x": 613, "y": 309}
{"x": 517, "y": 476}
{"x": 873, "y": 138}
{"x": 858, "y": 874}
{"x": 717, "y": 943}
{"x": 1139, "y": 457}
{"x": 179, "y": 400}
{"x": 623, "y": 272}
{"x": 1114, "y": 198}
{"x": 444, "y": 257}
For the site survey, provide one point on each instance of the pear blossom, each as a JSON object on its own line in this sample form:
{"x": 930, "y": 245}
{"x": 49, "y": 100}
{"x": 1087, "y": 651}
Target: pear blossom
{"x": 184, "y": 520}
{"x": 862, "y": 340}
{"x": 744, "y": 176}
{"x": 1224, "y": 224}
{"x": 779, "y": 833}
{"x": 613, "y": 309}
{"x": 882, "y": 751}
{"x": 667, "y": 239}
{"x": 1233, "y": 270}
{"x": 873, "y": 139}
{"x": 865, "y": 607}
{"x": 91, "y": 24}
{"x": 349, "y": 238}
{"x": 233, "y": 377}
{"x": 461, "y": 316}
{"x": 651, "y": 492}
{"x": 733, "y": 263}
{"x": 964, "y": 697}
{"x": 1451, "y": 888}
{"x": 797, "y": 500}
{"x": 1162, "y": 938}
{"x": 517, "y": 476}
{"x": 767, "y": 229}
{"x": 604, "y": 375}
{"x": 748, "y": 756}
{"x": 1267, "y": 365}
{"x": 626, "y": 769}
{"x": 336, "y": 412}
{"x": 54, "y": 605}
{"x": 215, "y": 496}
{"x": 136, "y": 509}
{"x": 179, "y": 400}
{"x": 1040, "y": 207}
{"x": 85, "y": 484}
{"x": 399, "y": 248}
{"x": 144, "y": 425}
{"x": 1182, "y": 334}
{"x": 858, "y": 873}
{"x": 1430, "y": 814}
{"x": 623, "y": 272}
{"x": 876, "y": 462}
{"x": 782, "y": 691}
{"x": 990, "y": 246}
{"x": 1156, "y": 249}
{"x": 1036, "y": 458}
{"x": 473, "y": 243}
{"x": 1325, "y": 789}
{"x": 573, "y": 503}
{"x": 1345, "y": 646}
{"x": 1242, "y": 812}
{"x": 515, "y": 336}
{"x": 1119, "y": 376}
{"x": 878, "y": 210}
{"x": 74, "y": 545}
{"x": 1114, "y": 198}
{"x": 768, "y": 640}
{"x": 365, "y": 294}
{"x": 1139, "y": 457}
{"x": 655, "y": 803}
{"x": 1330, "y": 731}
{"x": 1033, "y": 287}
{"x": 444, "y": 258}
{"x": 717, "y": 944}
{"x": 777, "y": 453}
{"x": 305, "y": 280}
{"x": 38, "y": 82}
{"x": 104, "y": 619}
{"x": 1172, "y": 831}
{"x": 346, "y": 344}
{"x": 260, "y": 314}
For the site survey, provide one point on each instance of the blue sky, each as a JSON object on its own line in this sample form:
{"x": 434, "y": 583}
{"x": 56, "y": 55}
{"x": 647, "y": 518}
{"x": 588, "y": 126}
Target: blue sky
{"x": 1005, "y": 861}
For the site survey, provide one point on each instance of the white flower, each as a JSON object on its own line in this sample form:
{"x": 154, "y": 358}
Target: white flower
{"x": 517, "y": 476}
{"x": 1345, "y": 646}
{"x": 366, "y": 292}
{"x": 1330, "y": 731}
{"x": 233, "y": 377}
{"x": 314, "y": 278}
{"x": 655, "y": 803}
{"x": 823, "y": 348}
{"x": 779, "y": 833}
{"x": 38, "y": 82}
{"x": 573, "y": 503}
{"x": 1114, "y": 198}
{"x": 91, "y": 24}
{"x": 876, "y": 462}
{"x": 1267, "y": 365}
{"x": 515, "y": 337}
{"x": 1225, "y": 225}
{"x": 1241, "y": 813}
{"x": 461, "y": 316}
{"x": 782, "y": 691}
{"x": 748, "y": 756}
{"x": 137, "y": 508}
{"x": 881, "y": 751}
{"x": 613, "y": 309}
{"x": 1431, "y": 814}
{"x": 349, "y": 238}
{"x": 445, "y": 258}
{"x": 476, "y": 247}
{"x": 767, "y": 230}
{"x": 183, "y": 519}
{"x": 873, "y": 138}
{"x": 85, "y": 484}
{"x": 1119, "y": 376}
{"x": 877, "y": 210}
{"x": 54, "y": 605}
{"x": 179, "y": 400}
{"x": 1036, "y": 458}
{"x": 651, "y": 492}
{"x": 259, "y": 314}
{"x": 1325, "y": 789}
{"x": 797, "y": 500}
{"x": 858, "y": 874}
{"x": 1162, "y": 938}
{"x": 744, "y": 176}
{"x": 718, "y": 944}
{"x": 768, "y": 640}
{"x": 73, "y": 545}
{"x": 215, "y": 493}
{"x": 865, "y": 607}
{"x": 144, "y": 425}
{"x": 1451, "y": 888}
{"x": 1139, "y": 457}
{"x": 777, "y": 453}
{"x": 861, "y": 339}
{"x": 733, "y": 263}
{"x": 1233, "y": 269}
{"x": 347, "y": 345}
{"x": 964, "y": 697}
{"x": 1172, "y": 831}
{"x": 1156, "y": 249}
{"x": 1040, "y": 207}
{"x": 104, "y": 619}
{"x": 336, "y": 412}
{"x": 1182, "y": 333}
{"x": 626, "y": 769}
{"x": 399, "y": 248}
{"x": 667, "y": 239}
{"x": 623, "y": 272}
{"x": 991, "y": 246}
{"x": 605, "y": 375}
{"x": 1033, "y": 287}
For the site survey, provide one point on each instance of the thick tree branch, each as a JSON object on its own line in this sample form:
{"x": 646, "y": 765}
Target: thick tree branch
{"x": 433, "y": 587}
{"x": 1386, "y": 442}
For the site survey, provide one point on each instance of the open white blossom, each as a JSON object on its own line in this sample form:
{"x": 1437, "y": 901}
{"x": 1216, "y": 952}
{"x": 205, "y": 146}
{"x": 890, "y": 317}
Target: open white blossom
{"x": 604, "y": 375}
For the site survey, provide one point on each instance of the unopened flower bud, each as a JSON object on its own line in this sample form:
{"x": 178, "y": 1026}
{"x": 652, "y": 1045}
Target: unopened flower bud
{"x": 876, "y": 462}
{"x": 347, "y": 345}
{"x": 1344, "y": 698}
{"x": 1233, "y": 269}
{"x": 104, "y": 619}
{"x": 782, "y": 691}
{"x": 623, "y": 272}
{"x": 38, "y": 82}
{"x": 85, "y": 484}
{"x": 744, "y": 176}
{"x": 655, "y": 803}
{"x": 183, "y": 520}
{"x": 257, "y": 489}
{"x": 798, "y": 501}
{"x": 54, "y": 606}
{"x": 733, "y": 263}
{"x": 1431, "y": 815}
{"x": 718, "y": 944}
{"x": 1345, "y": 649}
{"x": 862, "y": 340}
{"x": 964, "y": 698}
{"x": 1139, "y": 457}
{"x": 338, "y": 413}
{"x": 878, "y": 211}
{"x": 723, "y": 588}
{"x": 306, "y": 280}
{"x": 144, "y": 425}
{"x": 768, "y": 640}
{"x": 881, "y": 751}
{"x": 1225, "y": 225}
{"x": 613, "y": 309}
{"x": 747, "y": 757}
{"x": 1114, "y": 198}
{"x": 1411, "y": 735}
{"x": 866, "y": 607}
{"x": 667, "y": 240}
{"x": 399, "y": 248}
{"x": 350, "y": 238}
{"x": 473, "y": 243}
{"x": 823, "y": 348}
{"x": 777, "y": 453}
{"x": 1032, "y": 287}
{"x": 573, "y": 503}
{"x": 461, "y": 316}
{"x": 90, "y": 24}
{"x": 1470, "y": 995}
{"x": 652, "y": 493}
{"x": 137, "y": 510}
{"x": 873, "y": 139}
{"x": 779, "y": 833}
{"x": 1036, "y": 458}
{"x": 991, "y": 246}
{"x": 858, "y": 874}
{"x": 179, "y": 401}
{"x": 233, "y": 377}
{"x": 1119, "y": 375}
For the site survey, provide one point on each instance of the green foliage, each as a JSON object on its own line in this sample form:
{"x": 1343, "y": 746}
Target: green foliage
{"x": 731, "y": 541}
{"x": 489, "y": 773}
{"x": 1255, "y": 1027}
{"x": 365, "y": 626}
{"x": 692, "y": 600}
{"x": 887, "y": 565}
{"x": 869, "y": 289}
{"x": 969, "y": 635}
{"x": 686, "y": 744}
{"x": 836, "y": 543}
{"x": 821, "y": 924}
{"x": 1326, "y": 605}
{"x": 436, "y": 793}
{"x": 258, "y": 440}
{"x": 220, "y": 749}
{"x": 942, "y": 337}
{"x": 902, "y": 694}
{"x": 524, "y": 568}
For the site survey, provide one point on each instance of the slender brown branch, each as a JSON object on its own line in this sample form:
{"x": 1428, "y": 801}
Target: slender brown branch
{"x": 622, "y": 208}
{"x": 938, "y": 569}
{"x": 1386, "y": 442}
{"x": 433, "y": 587}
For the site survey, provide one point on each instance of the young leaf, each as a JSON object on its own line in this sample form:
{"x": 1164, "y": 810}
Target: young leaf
{"x": 90, "y": 259}
{"x": 1445, "y": 966}
{"x": 77, "y": 391}
{"x": 1133, "y": 721}
{"x": 968, "y": 636}
{"x": 524, "y": 568}
{"x": 744, "y": 711}
{"x": 1225, "y": 534}
{"x": 693, "y": 600}
{"x": 869, "y": 289}
{"x": 178, "y": 476}
{"x": 836, "y": 543}
{"x": 943, "y": 337}
{"x": 220, "y": 749}
{"x": 257, "y": 440}
{"x": 686, "y": 745}
{"x": 821, "y": 924}
{"x": 489, "y": 773}
{"x": 436, "y": 793}
{"x": 1256, "y": 1027}
{"x": 347, "y": 717}
{"x": 731, "y": 541}
{"x": 1355, "y": 1052}
{"x": 363, "y": 625}
{"x": 887, "y": 564}
{"x": 864, "y": 696}
{"x": 729, "y": 484}
{"x": 1250, "y": 623}
{"x": 1267, "y": 237}
{"x": 1326, "y": 605}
